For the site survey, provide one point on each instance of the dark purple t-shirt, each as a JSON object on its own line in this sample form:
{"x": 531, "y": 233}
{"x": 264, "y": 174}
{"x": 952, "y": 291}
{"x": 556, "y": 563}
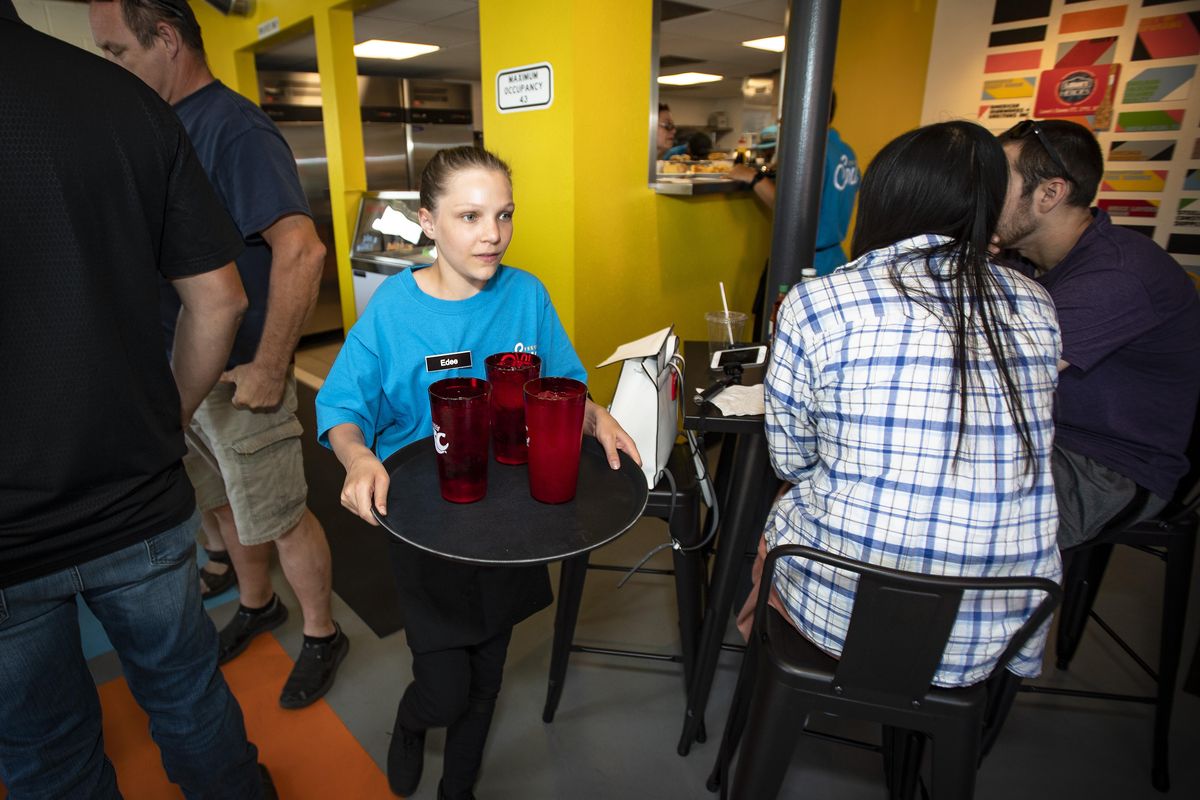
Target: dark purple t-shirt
{"x": 1130, "y": 320}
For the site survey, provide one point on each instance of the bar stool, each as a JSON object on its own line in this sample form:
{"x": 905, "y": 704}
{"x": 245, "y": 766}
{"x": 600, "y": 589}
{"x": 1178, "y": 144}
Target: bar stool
{"x": 1169, "y": 536}
{"x": 898, "y": 631}
{"x": 680, "y": 506}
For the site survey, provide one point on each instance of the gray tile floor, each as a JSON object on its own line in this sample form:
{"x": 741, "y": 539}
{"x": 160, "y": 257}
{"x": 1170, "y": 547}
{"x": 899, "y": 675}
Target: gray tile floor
{"x": 619, "y": 720}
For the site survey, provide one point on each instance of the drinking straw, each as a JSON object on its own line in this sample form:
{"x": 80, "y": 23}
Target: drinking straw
{"x": 725, "y": 305}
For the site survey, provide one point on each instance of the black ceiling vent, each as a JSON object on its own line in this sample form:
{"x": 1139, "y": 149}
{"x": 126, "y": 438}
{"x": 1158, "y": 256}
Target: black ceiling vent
{"x": 677, "y": 61}
{"x": 671, "y": 9}
{"x": 238, "y": 8}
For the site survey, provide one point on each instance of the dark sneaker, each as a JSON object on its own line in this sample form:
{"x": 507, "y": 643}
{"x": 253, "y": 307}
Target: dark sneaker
{"x": 406, "y": 759}
{"x": 443, "y": 796}
{"x": 268, "y": 785}
{"x": 238, "y": 633}
{"x": 314, "y": 672}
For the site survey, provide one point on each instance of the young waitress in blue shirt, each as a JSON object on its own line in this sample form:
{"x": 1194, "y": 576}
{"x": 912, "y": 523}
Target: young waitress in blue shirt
{"x": 458, "y": 617}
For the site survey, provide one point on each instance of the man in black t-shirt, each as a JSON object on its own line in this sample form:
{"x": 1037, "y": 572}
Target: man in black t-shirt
{"x": 244, "y": 454}
{"x": 101, "y": 195}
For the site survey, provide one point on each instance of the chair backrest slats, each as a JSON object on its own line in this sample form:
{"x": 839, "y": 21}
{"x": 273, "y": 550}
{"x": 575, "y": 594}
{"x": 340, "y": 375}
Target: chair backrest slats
{"x": 903, "y": 627}
{"x": 901, "y": 621}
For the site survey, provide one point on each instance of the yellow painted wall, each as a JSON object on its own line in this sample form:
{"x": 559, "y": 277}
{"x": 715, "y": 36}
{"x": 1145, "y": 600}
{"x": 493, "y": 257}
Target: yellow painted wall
{"x": 882, "y": 58}
{"x": 619, "y": 260}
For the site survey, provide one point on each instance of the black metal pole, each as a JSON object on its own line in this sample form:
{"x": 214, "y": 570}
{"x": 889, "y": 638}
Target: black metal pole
{"x": 808, "y": 73}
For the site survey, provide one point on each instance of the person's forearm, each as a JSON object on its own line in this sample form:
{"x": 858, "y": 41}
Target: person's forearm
{"x": 295, "y": 281}
{"x": 347, "y": 442}
{"x": 201, "y": 348}
{"x": 589, "y": 416}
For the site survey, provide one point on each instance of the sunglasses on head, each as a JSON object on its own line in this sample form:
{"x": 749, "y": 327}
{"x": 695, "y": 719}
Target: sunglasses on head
{"x": 1028, "y": 126}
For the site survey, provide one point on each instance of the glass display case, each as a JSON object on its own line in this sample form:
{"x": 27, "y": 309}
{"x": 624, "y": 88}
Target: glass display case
{"x": 387, "y": 239}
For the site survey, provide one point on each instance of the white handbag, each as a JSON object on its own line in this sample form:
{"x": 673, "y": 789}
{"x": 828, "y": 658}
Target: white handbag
{"x": 646, "y": 405}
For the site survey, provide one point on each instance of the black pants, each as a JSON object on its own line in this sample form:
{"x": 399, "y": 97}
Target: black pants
{"x": 457, "y": 689}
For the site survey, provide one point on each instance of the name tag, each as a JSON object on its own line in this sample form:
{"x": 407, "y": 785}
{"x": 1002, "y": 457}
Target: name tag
{"x": 448, "y": 361}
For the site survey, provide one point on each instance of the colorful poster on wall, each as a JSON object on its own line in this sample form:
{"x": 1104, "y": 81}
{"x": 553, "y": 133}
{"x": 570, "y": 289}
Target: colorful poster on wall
{"x": 1008, "y": 88}
{"x": 1172, "y": 36}
{"x": 1191, "y": 183}
{"x": 1086, "y": 52}
{"x": 1187, "y": 244}
{"x": 1164, "y": 120}
{"x": 1188, "y": 215}
{"x": 1011, "y": 62}
{"x": 1035, "y": 33}
{"x": 1092, "y": 20}
{"x": 1133, "y": 180}
{"x": 1078, "y": 92}
{"x": 1142, "y": 150}
{"x": 1128, "y": 207}
{"x": 1017, "y": 10}
{"x": 1160, "y": 84}
{"x": 1144, "y": 230}
{"x": 1002, "y": 116}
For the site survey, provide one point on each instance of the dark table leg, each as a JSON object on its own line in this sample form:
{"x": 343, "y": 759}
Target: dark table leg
{"x": 741, "y": 522}
{"x": 689, "y": 577}
{"x": 571, "y": 577}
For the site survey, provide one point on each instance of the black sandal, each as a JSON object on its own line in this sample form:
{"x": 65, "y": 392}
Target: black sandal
{"x": 215, "y": 584}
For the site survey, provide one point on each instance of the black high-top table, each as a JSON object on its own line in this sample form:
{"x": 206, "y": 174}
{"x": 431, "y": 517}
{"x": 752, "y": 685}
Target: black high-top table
{"x": 746, "y": 484}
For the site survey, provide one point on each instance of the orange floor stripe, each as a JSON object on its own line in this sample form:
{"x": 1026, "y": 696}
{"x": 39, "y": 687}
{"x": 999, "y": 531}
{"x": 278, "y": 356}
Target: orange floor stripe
{"x": 310, "y": 752}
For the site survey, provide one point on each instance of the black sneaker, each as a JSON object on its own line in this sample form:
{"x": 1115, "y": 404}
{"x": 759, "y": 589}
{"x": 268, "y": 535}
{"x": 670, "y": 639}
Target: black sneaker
{"x": 406, "y": 759}
{"x": 314, "y": 672}
{"x": 443, "y": 796}
{"x": 236, "y": 636}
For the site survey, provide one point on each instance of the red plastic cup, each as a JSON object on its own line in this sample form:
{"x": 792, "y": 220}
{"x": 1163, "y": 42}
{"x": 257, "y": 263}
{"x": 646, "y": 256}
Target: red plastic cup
{"x": 508, "y": 373}
{"x": 461, "y": 430}
{"x": 554, "y": 420}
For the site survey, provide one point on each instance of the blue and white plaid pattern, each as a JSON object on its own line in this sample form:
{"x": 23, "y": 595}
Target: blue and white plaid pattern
{"x": 862, "y": 416}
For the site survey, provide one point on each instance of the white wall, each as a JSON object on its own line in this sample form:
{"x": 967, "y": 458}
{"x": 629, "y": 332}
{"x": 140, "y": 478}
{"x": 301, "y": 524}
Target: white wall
{"x": 66, "y": 21}
{"x": 955, "y": 83}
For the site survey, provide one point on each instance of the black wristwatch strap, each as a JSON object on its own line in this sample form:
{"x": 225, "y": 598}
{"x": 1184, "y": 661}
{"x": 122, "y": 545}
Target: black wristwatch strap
{"x": 763, "y": 172}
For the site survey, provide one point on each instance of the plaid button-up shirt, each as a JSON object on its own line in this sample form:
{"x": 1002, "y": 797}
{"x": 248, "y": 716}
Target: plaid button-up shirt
{"x": 862, "y": 416}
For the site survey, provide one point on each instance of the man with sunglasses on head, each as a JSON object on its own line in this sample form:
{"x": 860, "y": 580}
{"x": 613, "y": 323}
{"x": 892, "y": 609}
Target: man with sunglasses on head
{"x": 1130, "y": 318}
{"x": 244, "y": 456}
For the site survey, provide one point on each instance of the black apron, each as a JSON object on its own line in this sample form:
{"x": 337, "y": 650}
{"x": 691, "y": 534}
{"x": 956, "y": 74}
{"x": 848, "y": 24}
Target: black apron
{"x": 451, "y": 604}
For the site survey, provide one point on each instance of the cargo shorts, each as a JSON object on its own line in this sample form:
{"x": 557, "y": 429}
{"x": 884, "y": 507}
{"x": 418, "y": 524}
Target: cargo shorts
{"x": 249, "y": 460}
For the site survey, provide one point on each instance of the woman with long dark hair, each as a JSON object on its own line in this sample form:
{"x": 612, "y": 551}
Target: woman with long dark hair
{"x": 909, "y": 403}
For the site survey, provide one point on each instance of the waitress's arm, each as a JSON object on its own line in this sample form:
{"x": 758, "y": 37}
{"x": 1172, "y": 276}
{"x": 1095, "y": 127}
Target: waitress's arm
{"x": 366, "y": 480}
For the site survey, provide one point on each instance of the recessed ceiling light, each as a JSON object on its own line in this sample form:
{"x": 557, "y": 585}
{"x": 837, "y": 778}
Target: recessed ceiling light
{"x": 689, "y": 78}
{"x": 772, "y": 43}
{"x": 396, "y": 51}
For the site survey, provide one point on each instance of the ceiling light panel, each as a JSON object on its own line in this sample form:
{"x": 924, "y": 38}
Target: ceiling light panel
{"x": 393, "y": 51}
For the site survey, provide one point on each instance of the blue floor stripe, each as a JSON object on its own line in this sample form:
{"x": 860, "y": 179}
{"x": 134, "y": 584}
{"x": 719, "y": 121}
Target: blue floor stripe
{"x": 95, "y": 641}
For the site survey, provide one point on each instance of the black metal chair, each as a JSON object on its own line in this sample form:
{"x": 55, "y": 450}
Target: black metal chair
{"x": 1169, "y": 536}
{"x": 898, "y": 631}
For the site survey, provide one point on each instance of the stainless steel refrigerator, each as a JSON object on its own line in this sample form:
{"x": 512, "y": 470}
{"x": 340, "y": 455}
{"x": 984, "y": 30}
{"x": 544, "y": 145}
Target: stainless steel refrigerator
{"x": 404, "y": 123}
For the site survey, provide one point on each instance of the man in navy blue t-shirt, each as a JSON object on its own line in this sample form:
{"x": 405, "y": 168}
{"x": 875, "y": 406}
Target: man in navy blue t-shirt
{"x": 244, "y": 456}
{"x": 1130, "y": 318}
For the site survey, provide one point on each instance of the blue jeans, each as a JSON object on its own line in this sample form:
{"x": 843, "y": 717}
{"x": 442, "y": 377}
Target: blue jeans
{"x": 148, "y": 600}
